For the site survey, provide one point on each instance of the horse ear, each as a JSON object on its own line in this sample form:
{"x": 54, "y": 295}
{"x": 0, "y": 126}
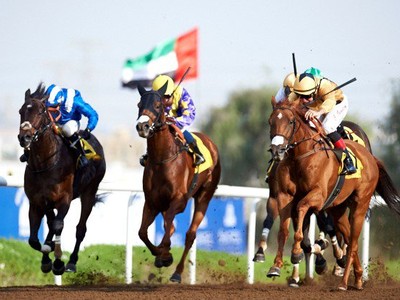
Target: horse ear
{"x": 27, "y": 94}
{"x": 273, "y": 101}
{"x": 141, "y": 90}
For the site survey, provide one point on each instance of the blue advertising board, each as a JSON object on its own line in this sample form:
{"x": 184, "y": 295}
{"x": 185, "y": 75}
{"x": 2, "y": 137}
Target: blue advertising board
{"x": 14, "y": 220}
{"x": 222, "y": 229}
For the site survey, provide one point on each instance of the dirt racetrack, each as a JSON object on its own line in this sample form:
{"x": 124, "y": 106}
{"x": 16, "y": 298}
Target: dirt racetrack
{"x": 194, "y": 292}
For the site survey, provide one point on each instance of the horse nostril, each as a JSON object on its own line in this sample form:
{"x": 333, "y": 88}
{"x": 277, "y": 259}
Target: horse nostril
{"x": 146, "y": 126}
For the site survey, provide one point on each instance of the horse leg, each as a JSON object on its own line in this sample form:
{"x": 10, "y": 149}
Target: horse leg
{"x": 282, "y": 237}
{"x": 357, "y": 214}
{"x": 272, "y": 213}
{"x": 48, "y": 245}
{"x": 201, "y": 205}
{"x": 58, "y": 226}
{"x": 87, "y": 202}
{"x": 297, "y": 251}
{"x": 148, "y": 218}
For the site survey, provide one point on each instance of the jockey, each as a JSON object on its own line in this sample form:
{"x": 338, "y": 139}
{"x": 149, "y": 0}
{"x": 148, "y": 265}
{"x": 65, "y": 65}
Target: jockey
{"x": 329, "y": 105}
{"x": 286, "y": 88}
{"x": 180, "y": 107}
{"x": 67, "y": 108}
{"x": 281, "y": 95}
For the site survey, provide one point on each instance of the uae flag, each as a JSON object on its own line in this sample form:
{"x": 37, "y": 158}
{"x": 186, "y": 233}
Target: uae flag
{"x": 172, "y": 58}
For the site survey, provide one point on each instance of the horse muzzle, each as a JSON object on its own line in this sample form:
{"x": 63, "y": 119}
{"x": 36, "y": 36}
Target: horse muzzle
{"x": 143, "y": 129}
{"x": 278, "y": 148}
{"x": 25, "y": 140}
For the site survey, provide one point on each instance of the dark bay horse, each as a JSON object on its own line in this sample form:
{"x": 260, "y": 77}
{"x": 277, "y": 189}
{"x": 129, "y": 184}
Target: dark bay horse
{"x": 309, "y": 170}
{"x": 170, "y": 179}
{"x": 51, "y": 181}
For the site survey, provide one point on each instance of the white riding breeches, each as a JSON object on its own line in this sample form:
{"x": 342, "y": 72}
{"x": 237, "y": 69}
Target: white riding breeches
{"x": 69, "y": 128}
{"x": 332, "y": 120}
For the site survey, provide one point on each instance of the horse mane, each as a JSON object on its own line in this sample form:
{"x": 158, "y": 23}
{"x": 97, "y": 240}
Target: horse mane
{"x": 40, "y": 92}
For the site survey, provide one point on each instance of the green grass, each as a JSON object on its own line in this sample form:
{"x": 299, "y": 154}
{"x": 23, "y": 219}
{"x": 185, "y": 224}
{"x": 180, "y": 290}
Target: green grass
{"x": 105, "y": 264}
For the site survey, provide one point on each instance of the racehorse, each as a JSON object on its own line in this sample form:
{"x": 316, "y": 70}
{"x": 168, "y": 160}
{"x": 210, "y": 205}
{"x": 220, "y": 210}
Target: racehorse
{"x": 348, "y": 130}
{"x": 51, "y": 180}
{"x": 170, "y": 178}
{"x": 309, "y": 171}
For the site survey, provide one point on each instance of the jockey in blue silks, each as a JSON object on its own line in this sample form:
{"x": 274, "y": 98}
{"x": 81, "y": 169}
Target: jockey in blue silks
{"x": 69, "y": 108}
{"x": 179, "y": 106}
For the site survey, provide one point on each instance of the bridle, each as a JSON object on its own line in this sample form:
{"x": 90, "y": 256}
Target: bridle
{"x": 158, "y": 124}
{"x": 291, "y": 142}
{"x": 45, "y": 123}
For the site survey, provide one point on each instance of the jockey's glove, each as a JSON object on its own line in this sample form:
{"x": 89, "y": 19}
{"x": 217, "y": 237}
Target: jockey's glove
{"x": 86, "y": 134}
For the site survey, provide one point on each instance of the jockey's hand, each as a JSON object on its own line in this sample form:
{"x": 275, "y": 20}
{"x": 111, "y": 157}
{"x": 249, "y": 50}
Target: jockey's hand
{"x": 311, "y": 114}
{"x": 86, "y": 134}
{"x": 171, "y": 120}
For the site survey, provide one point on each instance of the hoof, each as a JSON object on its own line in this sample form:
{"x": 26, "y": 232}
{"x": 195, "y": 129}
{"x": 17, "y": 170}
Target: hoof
{"x": 259, "y": 256}
{"x": 320, "y": 265}
{"x": 162, "y": 262}
{"x": 342, "y": 287}
{"x": 338, "y": 271}
{"x": 297, "y": 258}
{"x": 342, "y": 262}
{"x": 293, "y": 283}
{"x": 70, "y": 267}
{"x": 46, "y": 267}
{"x": 58, "y": 267}
{"x": 274, "y": 272}
{"x": 176, "y": 278}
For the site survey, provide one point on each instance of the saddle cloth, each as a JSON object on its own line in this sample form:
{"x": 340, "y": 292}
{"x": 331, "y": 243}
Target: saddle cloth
{"x": 206, "y": 153}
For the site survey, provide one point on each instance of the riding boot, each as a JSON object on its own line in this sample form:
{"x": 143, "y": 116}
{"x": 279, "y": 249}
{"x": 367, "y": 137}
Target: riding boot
{"x": 143, "y": 159}
{"x": 348, "y": 164}
{"x": 340, "y": 129}
{"x": 24, "y": 157}
{"x": 199, "y": 159}
{"x": 78, "y": 149}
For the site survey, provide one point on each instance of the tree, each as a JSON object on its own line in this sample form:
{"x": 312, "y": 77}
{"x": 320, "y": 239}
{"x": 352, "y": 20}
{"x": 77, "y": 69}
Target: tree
{"x": 241, "y": 132}
{"x": 391, "y": 136}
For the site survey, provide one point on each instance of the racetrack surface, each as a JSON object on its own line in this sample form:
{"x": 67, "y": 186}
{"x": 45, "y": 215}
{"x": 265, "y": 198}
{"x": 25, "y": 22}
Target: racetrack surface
{"x": 193, "y": 292}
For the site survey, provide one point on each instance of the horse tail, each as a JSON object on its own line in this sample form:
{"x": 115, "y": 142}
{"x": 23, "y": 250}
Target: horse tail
{"x": 100, "y": 198}
{"x": 386, "y": 188}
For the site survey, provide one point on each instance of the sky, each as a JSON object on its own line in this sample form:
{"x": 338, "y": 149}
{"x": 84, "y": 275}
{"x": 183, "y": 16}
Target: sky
{"x": 242, "y": 44}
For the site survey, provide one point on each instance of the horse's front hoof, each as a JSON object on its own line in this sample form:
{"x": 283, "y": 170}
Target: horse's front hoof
{"x": 274, "y": 272}
{"x": 58, "y": 267}
{"x": 297, "y": 258}
{"x": 259, "y": 256}
{"x": 342, "y": 287}
{"x": 70, "y": 267}
{"x": 338, "y": 271}
{"x": 163, "y": 262}
{"x": 46, "y": 267}
{"x": 342, "y": 262}
{"x": 176, "y": 278}
{"x": 320, "y": 265}
{"x": 293, "y": 283}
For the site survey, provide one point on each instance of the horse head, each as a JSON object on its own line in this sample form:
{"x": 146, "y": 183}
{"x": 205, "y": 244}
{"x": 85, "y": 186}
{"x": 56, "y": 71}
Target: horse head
{"x": 33, "y": 116}
{"x": 151, "y": 111}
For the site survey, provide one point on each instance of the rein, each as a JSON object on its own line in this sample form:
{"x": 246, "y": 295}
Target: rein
{"x": 292, "y": 144}
{"x": 39, "y": 132}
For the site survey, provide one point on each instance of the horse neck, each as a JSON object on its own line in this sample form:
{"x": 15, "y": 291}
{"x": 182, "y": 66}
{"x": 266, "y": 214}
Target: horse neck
{"x": 162, "y": 144}
{"x": 304, "y": 138}
{"x": 46, "y": 150}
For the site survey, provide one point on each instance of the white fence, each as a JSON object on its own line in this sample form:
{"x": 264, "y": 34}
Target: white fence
{"x": 251, "y": 195}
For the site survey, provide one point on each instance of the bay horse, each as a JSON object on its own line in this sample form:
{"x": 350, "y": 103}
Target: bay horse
{"x": 170, "y": 178}
{"x": 307, "y": 173}
{"x": 51, "y": 180}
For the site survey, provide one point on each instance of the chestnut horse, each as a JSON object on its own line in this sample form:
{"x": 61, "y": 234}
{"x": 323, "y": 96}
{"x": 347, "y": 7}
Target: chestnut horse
{"x": 307, "y": 173}
{"x": 170, "y": 179}
{"x": 52, "y": 182}
{"x": 349, "y": 129}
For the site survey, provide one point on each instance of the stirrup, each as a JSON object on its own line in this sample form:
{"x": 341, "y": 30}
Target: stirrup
{"x": 143, "y": 160}
{"x": 348, "y": 167}
{"x": 83, "y": 161}
{"x": 23, "y": 158}
{"x": 199, "y": 159}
